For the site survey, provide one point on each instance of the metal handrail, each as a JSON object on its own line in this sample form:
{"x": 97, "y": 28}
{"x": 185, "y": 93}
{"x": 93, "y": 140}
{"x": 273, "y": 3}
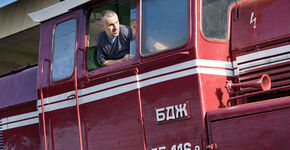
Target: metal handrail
{"x": 141, "y": 109}
{"x": 77, "y": 97}
{"x": 42, "y": 102}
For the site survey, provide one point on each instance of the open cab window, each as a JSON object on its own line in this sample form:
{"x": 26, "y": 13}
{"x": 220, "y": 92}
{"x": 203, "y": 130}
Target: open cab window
{"x": 126, "y": 11}
{"x": 165, "y": 26}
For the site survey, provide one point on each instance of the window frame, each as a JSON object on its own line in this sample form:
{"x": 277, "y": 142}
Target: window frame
{"x": 213, "y": 40}
{"x": 100, "y": 72}
{"x": 106, "y": 71}
{"x": 170, "y": 50}
{"x": 73, "y": 15}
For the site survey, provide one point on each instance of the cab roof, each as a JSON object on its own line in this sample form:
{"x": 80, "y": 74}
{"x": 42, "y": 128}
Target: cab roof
{"x": 56, "y": 10}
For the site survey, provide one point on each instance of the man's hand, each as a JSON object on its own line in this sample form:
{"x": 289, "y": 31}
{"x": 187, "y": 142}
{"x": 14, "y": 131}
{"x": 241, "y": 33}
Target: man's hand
{"x": 127, "y": 57}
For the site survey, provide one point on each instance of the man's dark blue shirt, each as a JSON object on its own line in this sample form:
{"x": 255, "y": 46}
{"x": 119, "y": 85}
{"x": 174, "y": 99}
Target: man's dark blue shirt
{"x": 115, "y": 50}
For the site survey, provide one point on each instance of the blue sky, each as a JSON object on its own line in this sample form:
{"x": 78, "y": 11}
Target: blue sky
{"x": 6, "y": 2}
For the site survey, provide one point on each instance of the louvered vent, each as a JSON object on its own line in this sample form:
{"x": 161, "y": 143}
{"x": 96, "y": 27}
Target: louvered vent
{"x": 272, "y": 61}
{"x": 1, "y": 140}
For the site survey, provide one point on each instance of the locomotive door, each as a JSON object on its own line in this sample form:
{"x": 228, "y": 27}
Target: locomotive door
{"x": 111, "y": 110}
{"x": 109, "y": 95}
{"x": 62, "y": 128}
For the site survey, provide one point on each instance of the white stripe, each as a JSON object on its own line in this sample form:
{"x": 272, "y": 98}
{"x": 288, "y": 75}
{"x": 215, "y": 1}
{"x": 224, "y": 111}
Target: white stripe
{"x": 188, "y": 64}
{"x": 56, "y": 106}
{"x": 88, "y": 90}
{"x": 185, "y": 73}
{"x": 19, "y": 117}
{"x": 19, "y": 120}
{"x": 214, "y": 63}
{"x": 55, "y": 98}
{"x": 89, "y": 98}
{"x": 169, "y": 69}
{"x": 107, "y": 85}
{"x": 263, "y": 62}
{"x": 114, "y": 91}
{"x": 273, "y": 63}
{"x": 23, "y": 123}
{"x": 214, "y": 71}
{"x": 264, "y": 53}
{"x": 184, "y": 65}
{"x": 108, "y": 93}
{"x": 167, "y": 77}
{"x": 133, "y": 86}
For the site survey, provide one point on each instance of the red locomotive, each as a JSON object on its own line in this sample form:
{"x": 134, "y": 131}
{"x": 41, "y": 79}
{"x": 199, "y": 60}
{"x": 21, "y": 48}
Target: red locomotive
{"x": 206, "y": 75}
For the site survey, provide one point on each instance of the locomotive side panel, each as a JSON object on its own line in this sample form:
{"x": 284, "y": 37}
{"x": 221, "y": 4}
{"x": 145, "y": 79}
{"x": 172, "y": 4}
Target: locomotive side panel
{"x": 260, "y": 45}
{"x": 260, "y": 22}
{"x": 252, "y": 126}
{"x": 172, "y": 113}
{"x": 19, "y": 127}
{"x": 19, "y": 123}
{"x": 19, "y": 87}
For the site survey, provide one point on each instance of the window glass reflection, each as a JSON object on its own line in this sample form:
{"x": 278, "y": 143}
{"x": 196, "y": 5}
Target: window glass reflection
{"x": 64, "y": 50}
{"x": 165, "y": 25}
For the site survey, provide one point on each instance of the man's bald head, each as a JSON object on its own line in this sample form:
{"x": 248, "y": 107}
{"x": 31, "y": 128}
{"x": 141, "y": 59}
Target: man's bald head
{"x": 108, "y": 13}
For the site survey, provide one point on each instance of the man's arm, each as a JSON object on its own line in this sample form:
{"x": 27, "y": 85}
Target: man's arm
{"x": 112, "y": 62}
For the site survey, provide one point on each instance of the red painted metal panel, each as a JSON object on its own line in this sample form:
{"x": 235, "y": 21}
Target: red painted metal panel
{"x": 18, "y": 88}
{"x": 113, "y": 123}
{"x": 263, "y": 125}
{"x": 18, "y": 109}
{"x": 64, "y": 129}
{"x": 22, "y": 138}
{"x": 260, "y": 21}
{"x": 215, "y": 95}
{"x": 165, "y": 95}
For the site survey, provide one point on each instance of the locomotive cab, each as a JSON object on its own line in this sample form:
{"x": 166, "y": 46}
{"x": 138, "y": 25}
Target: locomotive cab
{"x": 171, "y": 94}
{"x": 106, "y": 107}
